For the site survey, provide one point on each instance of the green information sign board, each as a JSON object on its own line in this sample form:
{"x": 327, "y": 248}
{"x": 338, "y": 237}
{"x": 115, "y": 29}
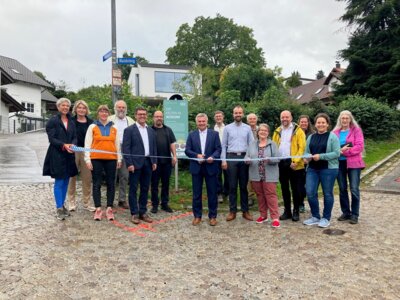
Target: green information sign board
{"x": 176, "y": 116}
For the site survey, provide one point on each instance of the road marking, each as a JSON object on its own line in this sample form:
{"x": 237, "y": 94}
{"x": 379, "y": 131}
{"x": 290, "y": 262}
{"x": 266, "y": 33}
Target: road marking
{"x": 138, "y": 230}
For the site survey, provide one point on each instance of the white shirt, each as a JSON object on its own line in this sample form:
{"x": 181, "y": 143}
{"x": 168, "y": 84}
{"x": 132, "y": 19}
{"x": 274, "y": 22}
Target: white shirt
{"x": 121, "y": 124}
{"x": 203, "y": 139}
{"x": 286, "y": 140}
{"x": 220, "y": 130}
{"x": 145, "y": 138}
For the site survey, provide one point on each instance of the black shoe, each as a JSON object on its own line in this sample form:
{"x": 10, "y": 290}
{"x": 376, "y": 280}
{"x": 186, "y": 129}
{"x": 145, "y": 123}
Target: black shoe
{"x": 295, "y": 217}
{"x": 167, "y": 208}
{"x": 344, "y": 217}
{"x": 154, "y": 210}
{"x": 285, "y": 216}
{"x": 353, "y": 219}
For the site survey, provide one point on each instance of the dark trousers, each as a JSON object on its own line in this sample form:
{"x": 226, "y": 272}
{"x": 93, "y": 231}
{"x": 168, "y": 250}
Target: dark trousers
{"x": 222, "y": 184}
{"x": 142, "y": 176}
{"x": 197, "y": 201}
{"x": 109, "y": 167}
{"x": 162, "y": 172}
{"x": 238, "y": 172}
{"x": 290, "y": 180}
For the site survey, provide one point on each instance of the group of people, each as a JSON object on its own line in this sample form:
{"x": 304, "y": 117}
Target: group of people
{"x": 108, "y": 137}
{"x": 237, "y": 155}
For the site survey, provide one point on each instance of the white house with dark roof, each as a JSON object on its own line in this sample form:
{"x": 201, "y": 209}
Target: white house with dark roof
{"x": 29, "y": 90}
{"x": 156, "y": 82}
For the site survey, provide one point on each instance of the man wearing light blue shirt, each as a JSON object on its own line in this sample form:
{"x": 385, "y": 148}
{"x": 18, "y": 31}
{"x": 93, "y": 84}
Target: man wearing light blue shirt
{"x": 236, "y": 138}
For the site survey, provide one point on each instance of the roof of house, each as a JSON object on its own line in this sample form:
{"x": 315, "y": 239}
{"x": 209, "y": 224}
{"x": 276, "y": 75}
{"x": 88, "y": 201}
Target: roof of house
{"x": 47, "y": 96}
{"x": 165, "y": 66}
{"x": 304, "y": 93}
{"x": 18, "y": 72}
{"x": 13, "y": 105}
{"x": 5, "y": 78}
{"x": 336, "y": 72}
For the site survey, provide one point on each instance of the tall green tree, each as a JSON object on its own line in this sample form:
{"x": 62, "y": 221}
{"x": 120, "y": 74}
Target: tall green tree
{"x": 293, "y": 80}
{"x": 249, "y": 81}
{"x": 215, "y": 42}
{"x": 374, "y": 50}
{"x": 126, "y": 69}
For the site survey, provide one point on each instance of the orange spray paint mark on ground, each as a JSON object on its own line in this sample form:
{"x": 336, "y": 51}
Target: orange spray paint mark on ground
{"x": 137, "y": 230}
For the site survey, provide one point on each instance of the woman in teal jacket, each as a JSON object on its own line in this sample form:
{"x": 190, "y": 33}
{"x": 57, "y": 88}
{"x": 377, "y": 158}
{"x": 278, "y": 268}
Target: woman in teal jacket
{"x": 324, "y": 150}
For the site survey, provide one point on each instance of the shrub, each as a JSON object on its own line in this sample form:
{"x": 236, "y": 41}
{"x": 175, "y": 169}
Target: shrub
{"x": 377, "y": 119}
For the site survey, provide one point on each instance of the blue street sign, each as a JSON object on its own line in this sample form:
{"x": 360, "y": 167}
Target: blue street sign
{"x": 107, "y": 55}
{"x": 127, "y": 60}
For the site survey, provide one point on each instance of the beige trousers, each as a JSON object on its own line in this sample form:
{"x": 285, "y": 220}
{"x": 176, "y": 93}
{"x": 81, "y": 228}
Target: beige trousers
{"x": 86, "y": 177}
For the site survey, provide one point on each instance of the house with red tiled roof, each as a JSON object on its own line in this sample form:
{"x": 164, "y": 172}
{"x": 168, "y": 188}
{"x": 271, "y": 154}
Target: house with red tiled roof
{"x": 323, "y": 88}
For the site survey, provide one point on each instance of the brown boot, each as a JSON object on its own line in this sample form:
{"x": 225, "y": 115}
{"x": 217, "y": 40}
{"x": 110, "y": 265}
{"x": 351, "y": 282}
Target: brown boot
{"x": 231, "y": 216}
{"x": 196, "y": 221}
{"x": 247, "y": 216}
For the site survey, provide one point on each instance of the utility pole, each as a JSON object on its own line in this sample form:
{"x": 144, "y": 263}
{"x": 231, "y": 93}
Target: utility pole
{"x": 116, "y": 80}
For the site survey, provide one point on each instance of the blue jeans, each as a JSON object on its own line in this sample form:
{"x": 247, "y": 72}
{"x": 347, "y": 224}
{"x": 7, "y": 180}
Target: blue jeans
{"x": 354, "y": 181}
{"x": 327, "y": 179}
{"x": 60, "y": 191}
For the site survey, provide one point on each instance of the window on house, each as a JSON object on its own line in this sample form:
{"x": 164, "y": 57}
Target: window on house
{"x": 299, "y": 96}
{"x": 318, "y": 91}
{"x": 16, "y": 71}
{"x": 30, "y": 107}
{"x": 172, "y": 82}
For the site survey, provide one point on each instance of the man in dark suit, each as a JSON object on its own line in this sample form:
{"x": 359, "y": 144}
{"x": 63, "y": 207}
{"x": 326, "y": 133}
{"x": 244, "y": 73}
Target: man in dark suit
{"x": 139, "y": 147}
{"x": 204, "y": 144}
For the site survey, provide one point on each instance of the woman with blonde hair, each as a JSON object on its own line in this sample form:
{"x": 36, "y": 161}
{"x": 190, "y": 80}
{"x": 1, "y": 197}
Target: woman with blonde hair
{"x": 82, "y": 122}
{"x": 350, "y": 164}
{"x": 102, "y": 135}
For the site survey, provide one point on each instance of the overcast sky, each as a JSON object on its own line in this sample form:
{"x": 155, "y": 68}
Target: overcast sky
{"x": 66, "y": 39}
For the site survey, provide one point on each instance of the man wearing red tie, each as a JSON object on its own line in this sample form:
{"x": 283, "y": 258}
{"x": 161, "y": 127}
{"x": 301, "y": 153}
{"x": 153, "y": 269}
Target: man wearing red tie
{"x": 204, "y": 145}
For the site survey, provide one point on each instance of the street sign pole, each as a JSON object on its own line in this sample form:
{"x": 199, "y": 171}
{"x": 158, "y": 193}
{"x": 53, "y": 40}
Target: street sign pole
{"x": 114, "y": 51}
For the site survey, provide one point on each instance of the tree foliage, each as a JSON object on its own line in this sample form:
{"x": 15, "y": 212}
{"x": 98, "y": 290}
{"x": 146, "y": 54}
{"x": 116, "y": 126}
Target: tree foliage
{"x": 374, "y": 50}
{"x": 249, "y": 81}
{"x": 294, "y": 80}
{"x": 377, "y": 119}
{"x": 320, "y": 74}
{"x": 215, "y": 42}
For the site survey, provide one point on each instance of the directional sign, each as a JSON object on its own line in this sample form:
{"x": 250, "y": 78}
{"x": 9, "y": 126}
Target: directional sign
{"x": 107, "y": 55}
{"x": 126, "y": 60}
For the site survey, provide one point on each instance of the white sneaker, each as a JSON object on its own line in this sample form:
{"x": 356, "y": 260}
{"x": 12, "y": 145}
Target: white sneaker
{"x": 311, "y": 221}
{"x": 323, "y": 223}
{"x": 89, "y": 208}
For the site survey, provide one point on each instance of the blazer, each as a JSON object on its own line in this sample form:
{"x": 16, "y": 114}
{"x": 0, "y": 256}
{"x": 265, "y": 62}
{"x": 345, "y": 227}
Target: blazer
{"x": 212, "y": 149}
{"x": 133, "y": 147}
{"x": 59, "y": 163}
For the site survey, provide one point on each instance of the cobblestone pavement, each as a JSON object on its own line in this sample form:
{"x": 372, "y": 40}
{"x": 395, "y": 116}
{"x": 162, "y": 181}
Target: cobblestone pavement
{"x": 79, "y": 258}
{"x": 43, "y": 258}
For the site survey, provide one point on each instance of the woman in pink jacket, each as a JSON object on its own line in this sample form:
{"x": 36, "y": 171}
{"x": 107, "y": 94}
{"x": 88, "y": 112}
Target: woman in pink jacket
{"x": 350, "y": 164}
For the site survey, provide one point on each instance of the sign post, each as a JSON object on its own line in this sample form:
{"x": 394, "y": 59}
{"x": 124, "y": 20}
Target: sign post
{"x": 176, "y": 117}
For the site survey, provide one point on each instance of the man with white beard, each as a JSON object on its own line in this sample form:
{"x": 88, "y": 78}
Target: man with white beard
{"x": 121, "y": 121}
